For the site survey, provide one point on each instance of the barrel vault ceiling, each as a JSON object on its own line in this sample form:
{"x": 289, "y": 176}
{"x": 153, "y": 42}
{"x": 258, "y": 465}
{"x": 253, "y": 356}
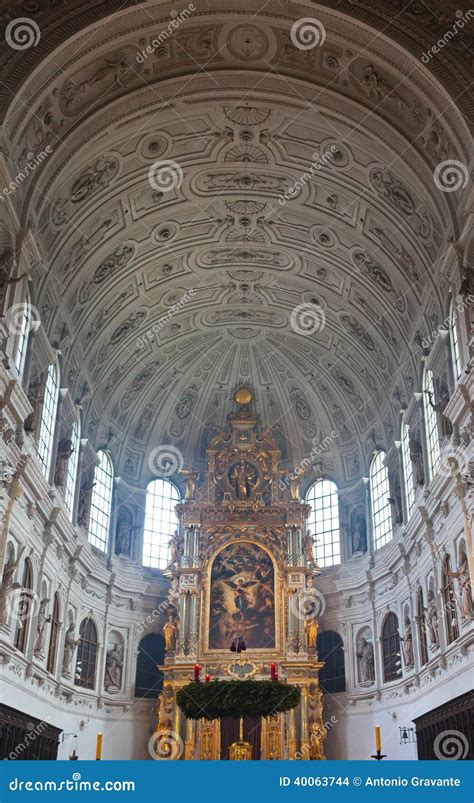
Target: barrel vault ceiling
{"x": 163, "y": 299}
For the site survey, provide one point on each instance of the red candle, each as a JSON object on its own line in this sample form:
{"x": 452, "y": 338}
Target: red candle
{"x": 273, "y": 671}
{"x": 208, "y": 677}
{"x": 276, "y": 676}
{"x": 196, "y": 671}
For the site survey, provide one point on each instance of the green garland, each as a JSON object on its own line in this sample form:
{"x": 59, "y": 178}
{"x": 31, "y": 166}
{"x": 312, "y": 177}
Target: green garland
{"x": 236, "y": 698}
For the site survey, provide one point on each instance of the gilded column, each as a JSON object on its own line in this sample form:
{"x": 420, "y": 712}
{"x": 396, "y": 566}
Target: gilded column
{"x": 304, "y": 747}
{"x": 291, "y": 730}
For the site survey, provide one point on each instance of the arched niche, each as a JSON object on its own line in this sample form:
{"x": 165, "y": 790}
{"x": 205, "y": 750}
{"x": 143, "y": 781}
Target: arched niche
{"x": 364, "y": 656}
{"x": 114, "y": 663}
{"x": 242, "y": 597}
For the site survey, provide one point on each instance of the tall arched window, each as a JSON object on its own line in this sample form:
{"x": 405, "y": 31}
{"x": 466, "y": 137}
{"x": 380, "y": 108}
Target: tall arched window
{"x": 23, "y": 605}
{"x": 380, "y": 501}
{"x": 71, "y": 472}
{"x": 431, "y": 422}
{"x": 23, "y": 322}
{"x": 324, "y": 521}
{"x": 449, "y": 596}
{"x": 332, "y": 677}
{"x": 48, "y": 418}
{"x": 455, "y": 349}
{"x": 391, "y": 648}
{"x": 408, "y": 473}
{"x": 86, "y": 655}
{"x": 421, "y": 622}
{"x": 160, "y": 522}
{"x": 151, "y": 655}
{"x": 53, "y": 636}
{"x": 101, "y": 502}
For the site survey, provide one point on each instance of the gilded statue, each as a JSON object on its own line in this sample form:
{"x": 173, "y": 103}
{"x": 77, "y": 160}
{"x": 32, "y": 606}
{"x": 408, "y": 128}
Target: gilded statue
{"x": 170, "y": 632}
{"x": 311, "y": 632}
{"x": 191, "y": 483}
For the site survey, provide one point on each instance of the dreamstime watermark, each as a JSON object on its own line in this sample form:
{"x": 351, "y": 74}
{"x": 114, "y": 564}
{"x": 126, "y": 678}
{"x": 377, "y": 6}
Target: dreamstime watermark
{"x": 165, "y": 175}
{"x": 31, "y": 165}
{"x": 315, "y": 739}
{"x": 307, "y": 33}
{"x": 451, "y": 746}
{"x": 320, "y": 160}
{"x": 21, "y": 605}
{"x": 20, "y": 316}
{"x": 159, "y": 40}
{"x": 165, "y": 745}
{"x": 307, "y": 319}
{"x": 308, "y": 603}
{"x": 22, "y": 33}
{"x": 157, "y": 327}
{"x": 450, "y": 34}
{"x": 165, "y": 460}
{"x": 33, "y": 732}
{"x": 449, "y": 321}
{"x": 453, "y": 462}
{"x": 451, "y": 175}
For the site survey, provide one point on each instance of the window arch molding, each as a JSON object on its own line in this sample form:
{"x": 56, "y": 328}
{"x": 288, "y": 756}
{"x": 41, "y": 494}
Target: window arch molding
{"x": 323, "y": 521}
{"x": 162, "y": 495}
{"x": 49, "y": 409}
{"x": 87, "y": 654}
{"x": 431, "y": 422}
{"x": 101, "y": 502}
{"x": 380, "y": 500}
{"x": 391, "y": 657}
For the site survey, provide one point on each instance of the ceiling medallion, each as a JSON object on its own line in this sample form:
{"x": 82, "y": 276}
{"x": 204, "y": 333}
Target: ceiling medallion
{"x": 247, "y": 42}
{"x": 243, "y": 396}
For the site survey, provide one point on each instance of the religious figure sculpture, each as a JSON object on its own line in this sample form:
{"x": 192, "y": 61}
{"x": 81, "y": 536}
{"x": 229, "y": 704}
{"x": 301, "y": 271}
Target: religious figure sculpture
{"x": 65, "y": 450}
{"x": 41, "y": 625}
{"x": 83, "y": 503}
{"x": 311, "y": 632}
{"x": 123, "y": 538}
{"x": 407, "y": 642}
{"x": 243, "y": 479}
{"x": 416, "y": 457}
{"x": 308, "y": 547}
{"x": 295, "y": 484}
{"x": 170, "y": 632}
{"x": 191, "y": 483}
{"x": 366, "y": 661}
{"x": 7, "y": 579}
{"x": 113, "y": 669}
{"x": 462, "y": 575}
{"x": 35, "y": 397}
{"x": 6, "y": 267}
{"x": 358, "y": 534}
{"x": 70, "y": 644}
{"x": 439, "y": 407}
{"x": 174, "y": 546}
{"x": 432, "y": 619}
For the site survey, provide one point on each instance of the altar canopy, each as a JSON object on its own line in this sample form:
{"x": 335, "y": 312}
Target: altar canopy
{"x": 243, "y": 602}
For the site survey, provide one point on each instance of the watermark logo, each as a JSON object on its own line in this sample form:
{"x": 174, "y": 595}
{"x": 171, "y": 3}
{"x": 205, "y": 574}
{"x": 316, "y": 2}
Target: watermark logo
{"x": 451, "y": 175}
{"x": 319, "y": 160}
{"x": 18, "y": 315}
{"x": 307, "y": 319}
{"x": 163, "y": 461}
{"x": 157, "y": 327}
{"x": 22, "y": 33}
{"x": 159, "y": 40}
{"x": 308, "y": 604}
{"x": 21, "y": 605}
{"x": 165, "y": 744}
{"x": 451, "y": 746}
{"x": 307, "y": 33}
{"x": 34, "y": 160}
{"x": 450, "y": 34}
{"x": 453, "y": 462}
{"x": 165, "y": 175}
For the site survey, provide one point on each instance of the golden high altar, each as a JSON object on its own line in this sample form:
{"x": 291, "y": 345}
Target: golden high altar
{"x": 242, "y": 570}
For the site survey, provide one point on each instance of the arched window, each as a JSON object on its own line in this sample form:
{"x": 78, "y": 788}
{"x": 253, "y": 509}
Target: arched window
{"x": 332, "y": 677}
{"x": 71, "y": 472}
{"x": 48, "y": 418}
{"x": 380, "y": 501}
{"x": 86, "y": 655}
{"x": 160, "y": 522}
{"x": 449, "y": 596}
{"x": 391, "y": 648}
{"x": 408, "y": 473}
{"x": 421, "y": 622}
{"x": 454, "y": 333}
{"x": 23, "y": 324}
{"x": 151, "y": 654}
{"x": 324, "y": 521}
{"x": 23, "y": 605}
{"x": 53, "y": 636}
{"x": 431, "y": 422}
{"x": 101, "y": 502}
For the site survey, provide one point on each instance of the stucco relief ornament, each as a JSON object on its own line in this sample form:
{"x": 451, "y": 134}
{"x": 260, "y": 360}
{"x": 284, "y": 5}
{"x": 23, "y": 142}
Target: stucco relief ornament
{"x": 94, "y": 178}
{"x": 112, "y": 72}
{"x": 247, "y": 42}
{"x": 388, "y": 186}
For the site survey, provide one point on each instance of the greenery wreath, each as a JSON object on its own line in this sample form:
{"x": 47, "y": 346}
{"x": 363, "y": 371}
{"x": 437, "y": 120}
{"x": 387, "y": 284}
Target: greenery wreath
{"x": 236, "y": 698}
